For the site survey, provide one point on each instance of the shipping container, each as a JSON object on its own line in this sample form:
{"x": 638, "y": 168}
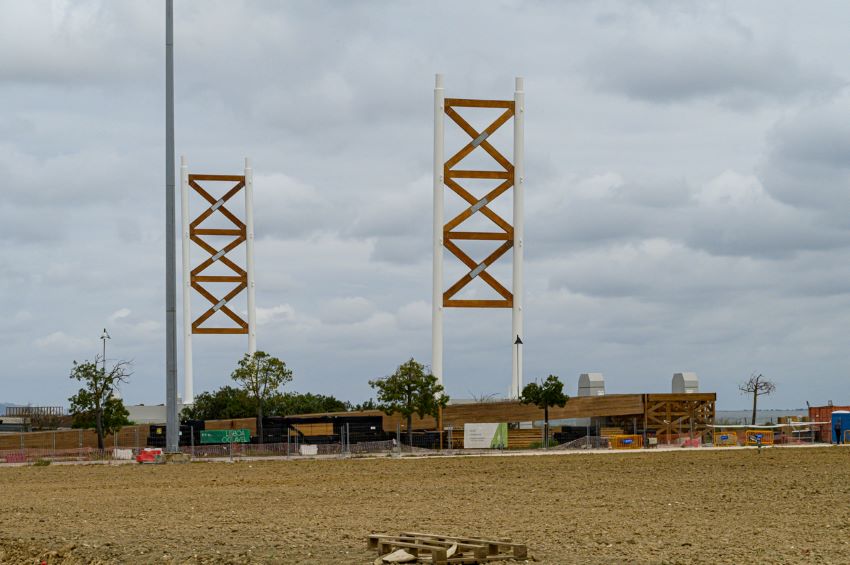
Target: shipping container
{"x": 824, "y": 414}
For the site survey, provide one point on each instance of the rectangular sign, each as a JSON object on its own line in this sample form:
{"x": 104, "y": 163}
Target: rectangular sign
{"x": 226, "y": 436}
{"x": 485, "y": 436}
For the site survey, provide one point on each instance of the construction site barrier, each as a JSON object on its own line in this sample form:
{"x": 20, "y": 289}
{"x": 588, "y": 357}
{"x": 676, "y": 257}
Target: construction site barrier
{"x": 725, "y": 439}
{"x": 626, "y": 442}
{"x": 759, "y": 437}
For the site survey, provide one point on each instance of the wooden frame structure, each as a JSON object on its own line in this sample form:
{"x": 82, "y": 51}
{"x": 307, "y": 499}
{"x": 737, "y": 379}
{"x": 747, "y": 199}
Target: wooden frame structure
{"x": 452, "y": 179}
{"x": 238, "y": 232}
{"x": 670, "y": 415}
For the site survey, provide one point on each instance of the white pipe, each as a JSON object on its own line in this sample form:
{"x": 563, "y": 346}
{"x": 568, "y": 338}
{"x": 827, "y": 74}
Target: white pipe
{"x": 437, "y": 294}
{"x": 188, "y": 384}
{"x": 519, "y": 228}
{"x": 249, "y": 251}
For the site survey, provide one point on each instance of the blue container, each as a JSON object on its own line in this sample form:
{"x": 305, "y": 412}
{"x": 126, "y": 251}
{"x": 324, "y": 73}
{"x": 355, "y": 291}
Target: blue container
{"x": 840, "y": 423}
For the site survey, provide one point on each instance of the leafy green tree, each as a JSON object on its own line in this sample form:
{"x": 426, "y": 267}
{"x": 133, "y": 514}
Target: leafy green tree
{"x": 115, "y": 416}
{"x": 230, "y": 402}
{"x": 408, "y": 391}
{"x": 363, "y": 406}
{"x": 290, "y": 403}
{"x": 225, "y": 403}
{"x": 550, "y": 393}
{"x": 261, "y": 375}
{"x": 98, "y": 387}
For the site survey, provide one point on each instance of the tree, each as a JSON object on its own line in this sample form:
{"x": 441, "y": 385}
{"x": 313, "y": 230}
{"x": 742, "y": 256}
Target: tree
{"x": 363, "y": 406}
{"x": 307, "y": 403}
{"x": 115, "y": 416}
{"x": 225, "y": 403}
{"x": 261, "y": 375}
{"x": 410, "y": 390}
{"x": 757, "y": 385}
{"x": 98, "y": 387}
{"x": 550, "y": 393}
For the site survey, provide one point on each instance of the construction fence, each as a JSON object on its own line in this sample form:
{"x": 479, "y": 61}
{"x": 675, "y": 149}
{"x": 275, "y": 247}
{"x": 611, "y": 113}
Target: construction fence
{"x": 81, "y": 445}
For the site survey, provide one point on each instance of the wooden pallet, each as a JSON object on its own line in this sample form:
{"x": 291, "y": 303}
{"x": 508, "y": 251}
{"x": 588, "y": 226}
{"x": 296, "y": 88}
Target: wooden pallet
{"x": 440, "y": 550}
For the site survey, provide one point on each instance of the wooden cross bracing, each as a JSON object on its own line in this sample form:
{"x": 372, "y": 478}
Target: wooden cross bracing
{"x": 238, "y": 232}
{"x": 478, "y": 206}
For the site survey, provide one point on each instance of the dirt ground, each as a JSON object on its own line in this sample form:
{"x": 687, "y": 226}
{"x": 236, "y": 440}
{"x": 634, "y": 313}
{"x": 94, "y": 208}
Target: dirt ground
{"x": 782, "y": 505}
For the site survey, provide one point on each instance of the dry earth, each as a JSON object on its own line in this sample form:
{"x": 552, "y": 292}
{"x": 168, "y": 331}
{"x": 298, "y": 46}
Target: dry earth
{"x": 741, "y": 506}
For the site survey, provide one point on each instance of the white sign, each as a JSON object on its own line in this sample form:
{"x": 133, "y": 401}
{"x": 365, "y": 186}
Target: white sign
{"x": 484, "y": 436}
{"x": 122, "y": 454}
{"x": 309, "y": 450}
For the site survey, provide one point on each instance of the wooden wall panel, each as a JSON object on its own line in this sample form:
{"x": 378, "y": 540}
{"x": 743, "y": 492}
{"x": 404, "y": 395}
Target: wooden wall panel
{"x": 235, "y": 424}
{"x": 71, "y": 439}
{"x": 509, "y": 411}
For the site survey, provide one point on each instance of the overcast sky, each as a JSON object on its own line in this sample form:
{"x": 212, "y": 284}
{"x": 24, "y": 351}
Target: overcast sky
{"x": 687, "y": 194}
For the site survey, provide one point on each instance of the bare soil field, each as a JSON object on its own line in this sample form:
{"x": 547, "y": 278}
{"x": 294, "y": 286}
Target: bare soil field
{"x": 701, "y": 506}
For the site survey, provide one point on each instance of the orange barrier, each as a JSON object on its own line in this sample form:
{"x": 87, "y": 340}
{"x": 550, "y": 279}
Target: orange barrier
{"x": 759, "y": 437}
{"x": 725, "y": 439}
{"x": 626, "y": 442}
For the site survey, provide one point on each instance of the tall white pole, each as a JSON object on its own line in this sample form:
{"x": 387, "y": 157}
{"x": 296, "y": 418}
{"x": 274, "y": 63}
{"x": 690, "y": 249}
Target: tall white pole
{"x": 249, "y": 249}
{"x": 188, "y": 383}
{"x": 437, "y": 294}
{"x": 519, "y": 227}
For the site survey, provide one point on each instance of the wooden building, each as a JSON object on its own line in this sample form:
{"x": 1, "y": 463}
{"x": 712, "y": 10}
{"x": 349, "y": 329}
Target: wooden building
{"x": 660, "y": 414}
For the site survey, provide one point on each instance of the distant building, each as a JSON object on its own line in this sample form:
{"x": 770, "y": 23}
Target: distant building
{"x": 685, "y": 383}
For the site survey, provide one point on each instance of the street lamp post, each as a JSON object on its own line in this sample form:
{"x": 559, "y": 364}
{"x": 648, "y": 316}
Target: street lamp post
{"x": 517, "y": 343}
{"x": 104, "y": 336}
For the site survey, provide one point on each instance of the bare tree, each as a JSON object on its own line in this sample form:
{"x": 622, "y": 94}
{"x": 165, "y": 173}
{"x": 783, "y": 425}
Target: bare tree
{"x": 757, "y": 385}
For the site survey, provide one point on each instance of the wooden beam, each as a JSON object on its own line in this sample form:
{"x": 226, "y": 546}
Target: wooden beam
{"x": 485, "y": 276}
{"x": 468, "y": 196}
{"x": 455, "y": 174}
{"x": 478, "y": 303}
{"x": 232, "y": 178}
{"x": 217, "y": 231}
{"x": 472, "y": 103}
{"x": 218, "y": 278}
{"x": 485, "y": 145}
{"x": 219, "y": 330}
{"x": 477, "y": 235}
{"x": 490, "y": 214}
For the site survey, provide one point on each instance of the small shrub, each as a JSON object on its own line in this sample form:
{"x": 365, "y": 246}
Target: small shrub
{"x": 41, "y": 463}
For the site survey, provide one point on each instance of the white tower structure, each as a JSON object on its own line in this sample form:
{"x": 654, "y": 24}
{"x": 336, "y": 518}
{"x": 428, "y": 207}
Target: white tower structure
{"x": 446, "y": 235}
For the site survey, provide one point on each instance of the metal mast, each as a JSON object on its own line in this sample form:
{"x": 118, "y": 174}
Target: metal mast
{"x": 172, "y": 433}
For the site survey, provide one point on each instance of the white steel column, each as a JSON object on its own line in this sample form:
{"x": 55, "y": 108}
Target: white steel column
{"x": 188, "y": 384}
{"x": 519, "y": 225}
{"x": 437, "y": 294}
{"x": 249, "y": 262}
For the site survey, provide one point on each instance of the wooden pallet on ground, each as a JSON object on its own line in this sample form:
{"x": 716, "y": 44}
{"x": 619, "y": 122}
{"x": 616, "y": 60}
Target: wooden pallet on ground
{"x": 439, "y": 549}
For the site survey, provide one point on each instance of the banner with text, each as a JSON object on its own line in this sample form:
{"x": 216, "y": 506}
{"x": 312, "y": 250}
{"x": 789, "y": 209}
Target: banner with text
{"x": 485, "y": 436}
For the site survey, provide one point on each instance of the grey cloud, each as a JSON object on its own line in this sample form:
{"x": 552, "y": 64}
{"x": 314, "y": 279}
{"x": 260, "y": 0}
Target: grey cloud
{"x": 686, "y": 57}
{"x": 808, "y": 163}
{"x": 650, "y": 243}
{"x": 77, "y": 44}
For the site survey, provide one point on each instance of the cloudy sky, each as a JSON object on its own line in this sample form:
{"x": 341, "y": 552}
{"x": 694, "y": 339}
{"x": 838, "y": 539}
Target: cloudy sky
{"x": 687, "y": 206}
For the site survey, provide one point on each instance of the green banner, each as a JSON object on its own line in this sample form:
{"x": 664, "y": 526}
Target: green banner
{"x": 226, "y": 436}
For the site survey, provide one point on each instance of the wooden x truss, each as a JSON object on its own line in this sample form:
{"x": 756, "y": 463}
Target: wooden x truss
{"x": 480, "y": 206}
{"x": 238, "y": 232}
